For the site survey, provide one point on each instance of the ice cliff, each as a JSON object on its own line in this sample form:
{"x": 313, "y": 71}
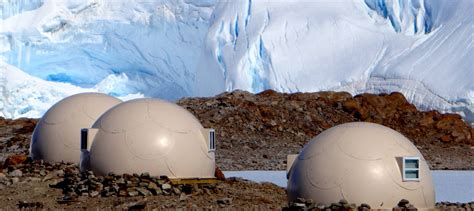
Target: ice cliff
{"x": 176, "y": 48}
{"x": 423, "y": 49}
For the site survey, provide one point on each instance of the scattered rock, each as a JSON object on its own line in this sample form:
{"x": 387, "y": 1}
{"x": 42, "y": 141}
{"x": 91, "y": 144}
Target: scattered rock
{"x": 15, "y": 180}
{"x": 166, "y": 186}
{"x": 218, "y": 174}
{"x": 133, "y": 193}
{"x": 93, "y": 193}
{"x": 224, "y": 201}
{"x": 58, "y": 173}
{"x": 14, "y": 160}
{"x": 26, "y": 205}
{"x": 16, "y": 173}
{"x": 183, "y": 197}
{"x": 144, "y": 192}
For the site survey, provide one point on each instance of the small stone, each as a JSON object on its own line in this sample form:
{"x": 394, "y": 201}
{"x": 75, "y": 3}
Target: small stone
{"x": 343, "y": 202}
{"x": 152, "y": 186}
{"x": 34, "y": 179}
{"x": 300, "y": 200}
{"x": 109, "y": 193}
{"x": 218, "y": 174}
{"x": 133, "y": 193}
{"x": 176, "y": 191}
{"x": 297, "y": 205}
{"x": 144, "y": 192}
{"x": 166, "y": 186}
{"x": 141, "y": 205}
{"x": 15, "y": 180}
{"x": 93, "y": 193}
{"x": 47, "y": 177}
{"x": 183, "y": 197}
{"x": 145, "y": 175}
{"x": 224, "y": 201}
{"x": 83, "y": 189}
{"x": 156, "y": 191}
{"x": 120, "y": 181}
{"x": 15, "y": 160}
{"x": 42, "y": 172}
{"x": 403, "y": 203}
{"x": 58, "y": 173}
{"x": 16, "y": 173}
{"x": 365, "y": 205}
{"x": 122, "y": 193}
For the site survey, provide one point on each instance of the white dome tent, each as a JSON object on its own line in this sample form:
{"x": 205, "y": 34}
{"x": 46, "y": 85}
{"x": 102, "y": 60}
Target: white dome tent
{"x": 149, "y": 135}
{"x": 361, "y": 163}
{"x": 56, "y": 136}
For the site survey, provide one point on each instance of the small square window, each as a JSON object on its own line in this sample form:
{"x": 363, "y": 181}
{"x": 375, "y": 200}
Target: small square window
{"x": 411, "y": 169}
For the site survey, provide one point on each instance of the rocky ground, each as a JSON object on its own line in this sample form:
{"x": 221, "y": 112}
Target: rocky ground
{"x": 258, "y": 131}
{"x": 255, "y": 131}
{"x": 21, "y": 186}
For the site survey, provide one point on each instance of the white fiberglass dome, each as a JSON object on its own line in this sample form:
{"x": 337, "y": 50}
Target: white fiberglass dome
{"x": 57, "y": 135}
{"x": 361, "y": 163}
{"x": 154, "y": 136}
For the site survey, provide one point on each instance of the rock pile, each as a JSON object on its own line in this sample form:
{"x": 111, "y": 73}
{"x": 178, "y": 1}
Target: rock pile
{"x": 268, "y": 126}
{"x": 343, "y": 205}
{"x": 455, "y": 206}
{"x": 87, "y": 184}
{"x": 19, "y": 168}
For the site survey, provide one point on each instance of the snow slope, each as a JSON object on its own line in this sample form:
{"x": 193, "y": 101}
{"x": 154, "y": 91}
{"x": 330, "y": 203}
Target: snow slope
{"x": 176, "y": 48}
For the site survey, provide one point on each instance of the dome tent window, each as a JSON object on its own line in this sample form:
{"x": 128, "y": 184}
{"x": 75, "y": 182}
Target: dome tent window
{"x": 411, "y": 169}
{"x": 212, "y": 140}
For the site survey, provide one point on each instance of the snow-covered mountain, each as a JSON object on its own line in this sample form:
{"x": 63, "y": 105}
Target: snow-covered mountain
{"x": 176, "y": 48}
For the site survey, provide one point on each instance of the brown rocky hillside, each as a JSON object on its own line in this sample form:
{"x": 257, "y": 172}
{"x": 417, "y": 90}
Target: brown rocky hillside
{"x": 257, "y": 131}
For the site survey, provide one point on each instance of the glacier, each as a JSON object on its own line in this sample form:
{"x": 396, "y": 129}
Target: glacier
{"x": 423, "y": 49}
{"x": 178, "y": 48}
{"x": 155, "y": 44}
